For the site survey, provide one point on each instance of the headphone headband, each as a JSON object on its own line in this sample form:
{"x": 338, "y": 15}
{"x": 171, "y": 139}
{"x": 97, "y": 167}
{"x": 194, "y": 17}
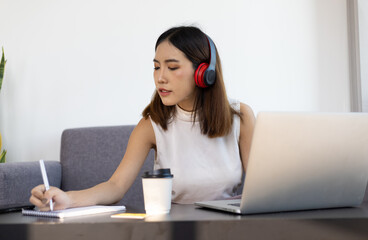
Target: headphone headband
{"x": 212, "y": 64}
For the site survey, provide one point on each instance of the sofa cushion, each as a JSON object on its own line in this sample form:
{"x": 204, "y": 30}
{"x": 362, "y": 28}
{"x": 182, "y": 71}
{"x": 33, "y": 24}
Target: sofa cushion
{"x": 90, "y": 156}
{"x": 18, "y": 178}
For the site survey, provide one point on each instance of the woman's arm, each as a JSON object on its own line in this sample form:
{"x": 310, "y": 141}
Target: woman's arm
{"x": 140, "y": 142}
{"x": 246, "y": 133}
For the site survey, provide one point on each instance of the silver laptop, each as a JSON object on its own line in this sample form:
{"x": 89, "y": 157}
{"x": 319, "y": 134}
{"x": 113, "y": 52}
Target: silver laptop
{"x": 301, "y": 161}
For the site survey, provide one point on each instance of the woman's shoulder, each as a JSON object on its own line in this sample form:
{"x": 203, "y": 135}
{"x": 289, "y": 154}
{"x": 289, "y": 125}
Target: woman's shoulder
{"x": 145, "y": 131}
{"x": 247, "y": 116}
{"x": 245, "y": 109}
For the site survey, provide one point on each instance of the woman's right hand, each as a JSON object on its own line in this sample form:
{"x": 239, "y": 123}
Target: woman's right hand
{"x": 41, "y": 198}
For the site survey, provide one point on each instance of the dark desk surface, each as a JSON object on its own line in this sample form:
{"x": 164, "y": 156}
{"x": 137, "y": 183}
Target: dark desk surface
{"x": 191, "y": 222}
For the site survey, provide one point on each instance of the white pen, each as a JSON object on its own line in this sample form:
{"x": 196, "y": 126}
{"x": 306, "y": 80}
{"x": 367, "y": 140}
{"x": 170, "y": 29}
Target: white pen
{"x": 45, "y": 181}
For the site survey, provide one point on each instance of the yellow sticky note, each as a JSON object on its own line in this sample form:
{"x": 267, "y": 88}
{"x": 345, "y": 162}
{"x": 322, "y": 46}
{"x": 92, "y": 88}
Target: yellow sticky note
{"x": 130, "y": 215}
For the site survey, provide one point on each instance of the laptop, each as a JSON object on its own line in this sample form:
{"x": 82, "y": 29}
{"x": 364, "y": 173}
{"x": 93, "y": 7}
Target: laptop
{"x": 302, "y": 161}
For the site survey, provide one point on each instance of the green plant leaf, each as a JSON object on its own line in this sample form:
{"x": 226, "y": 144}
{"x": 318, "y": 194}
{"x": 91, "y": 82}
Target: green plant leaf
{"x": 2, "y": 68}
{"x": 2, "y": 156}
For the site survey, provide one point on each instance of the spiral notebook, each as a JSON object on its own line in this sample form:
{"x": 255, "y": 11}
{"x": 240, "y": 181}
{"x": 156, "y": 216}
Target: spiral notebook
{"x": 74, "y": 212}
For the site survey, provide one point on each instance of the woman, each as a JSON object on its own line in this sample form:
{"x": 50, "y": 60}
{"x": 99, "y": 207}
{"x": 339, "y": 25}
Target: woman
{"x": 196, "y": 132}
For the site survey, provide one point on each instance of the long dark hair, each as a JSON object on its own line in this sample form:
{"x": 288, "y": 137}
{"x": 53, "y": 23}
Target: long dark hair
{"x": 211, "y": 106}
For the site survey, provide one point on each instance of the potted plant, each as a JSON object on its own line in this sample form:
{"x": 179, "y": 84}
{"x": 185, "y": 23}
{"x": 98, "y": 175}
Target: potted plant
{"x": 2, "y": 69}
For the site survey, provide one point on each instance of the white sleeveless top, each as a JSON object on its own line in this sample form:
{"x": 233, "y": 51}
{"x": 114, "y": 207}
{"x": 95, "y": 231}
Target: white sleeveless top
{"x": 204, "y": 168}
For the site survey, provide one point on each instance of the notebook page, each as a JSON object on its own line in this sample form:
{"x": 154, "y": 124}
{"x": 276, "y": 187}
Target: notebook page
{"x": 73, "y": 212}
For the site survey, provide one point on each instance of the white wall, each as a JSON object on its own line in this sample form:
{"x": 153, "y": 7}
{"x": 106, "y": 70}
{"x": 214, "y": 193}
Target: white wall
{"x": 89, "y": 62}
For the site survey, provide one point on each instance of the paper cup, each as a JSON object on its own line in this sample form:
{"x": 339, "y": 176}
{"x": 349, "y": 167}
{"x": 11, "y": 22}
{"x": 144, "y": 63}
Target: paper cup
{"x": 157, "y": 187}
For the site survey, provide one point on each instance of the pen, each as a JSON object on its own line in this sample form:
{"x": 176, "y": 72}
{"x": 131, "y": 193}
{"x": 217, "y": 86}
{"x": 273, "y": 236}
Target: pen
{"x": 45, "y": 181}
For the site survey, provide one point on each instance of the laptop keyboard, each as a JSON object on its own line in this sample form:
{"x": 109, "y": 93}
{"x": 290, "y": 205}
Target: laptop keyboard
{"x": 234, "y": 204}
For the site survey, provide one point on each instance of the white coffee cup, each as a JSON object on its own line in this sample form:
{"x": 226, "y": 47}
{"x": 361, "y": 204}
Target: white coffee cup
{"x": 157, "y": 187}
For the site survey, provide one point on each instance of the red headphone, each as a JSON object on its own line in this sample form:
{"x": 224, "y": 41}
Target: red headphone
{"x": 205, "y": 75}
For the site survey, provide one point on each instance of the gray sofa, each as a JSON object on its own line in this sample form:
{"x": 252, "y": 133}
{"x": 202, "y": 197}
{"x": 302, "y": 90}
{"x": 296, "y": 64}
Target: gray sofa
{"x": 88, "y": 156}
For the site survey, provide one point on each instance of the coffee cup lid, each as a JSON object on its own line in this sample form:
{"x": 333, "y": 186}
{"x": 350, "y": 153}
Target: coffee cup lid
{"x": 158, "y": 173}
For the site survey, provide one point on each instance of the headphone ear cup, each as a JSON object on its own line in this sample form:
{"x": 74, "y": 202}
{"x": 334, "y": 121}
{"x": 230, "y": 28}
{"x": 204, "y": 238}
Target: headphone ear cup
{"x": 199, "y": 75}
{"x": 209, "y": 77}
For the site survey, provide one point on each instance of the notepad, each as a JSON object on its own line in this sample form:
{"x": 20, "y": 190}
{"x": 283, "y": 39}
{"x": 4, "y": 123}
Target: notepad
{"x": 74, "y": 212}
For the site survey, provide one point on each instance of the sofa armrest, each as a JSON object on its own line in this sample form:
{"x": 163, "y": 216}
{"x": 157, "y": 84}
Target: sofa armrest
{"x": 18, "y": 178}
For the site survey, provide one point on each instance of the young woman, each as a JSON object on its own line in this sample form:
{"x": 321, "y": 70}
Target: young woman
{"x": 195, "y": 130}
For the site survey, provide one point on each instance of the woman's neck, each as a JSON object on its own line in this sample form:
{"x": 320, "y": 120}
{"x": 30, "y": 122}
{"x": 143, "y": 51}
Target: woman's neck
{"x": 185, "y": 109}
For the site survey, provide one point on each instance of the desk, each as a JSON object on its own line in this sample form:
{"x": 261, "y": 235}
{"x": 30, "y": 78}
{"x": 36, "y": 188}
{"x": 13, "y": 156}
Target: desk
{"x": 191, "y": 222}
